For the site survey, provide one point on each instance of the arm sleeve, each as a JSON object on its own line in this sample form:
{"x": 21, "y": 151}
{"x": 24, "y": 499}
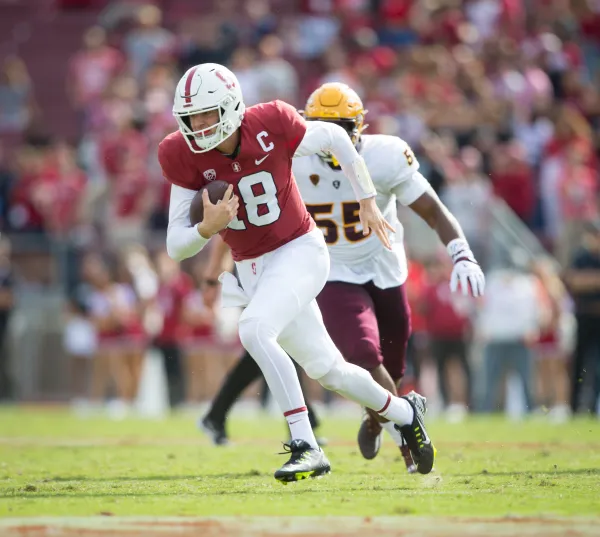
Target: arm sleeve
{"x": 324, "y": 137}
{"x": 183, "y": 240}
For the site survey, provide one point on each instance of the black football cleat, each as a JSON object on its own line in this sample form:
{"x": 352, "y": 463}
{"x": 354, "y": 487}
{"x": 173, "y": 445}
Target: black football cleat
{"x": 305, "y": 461}
{"x": 215, "y": 431}
{"x": 421, "y": 448}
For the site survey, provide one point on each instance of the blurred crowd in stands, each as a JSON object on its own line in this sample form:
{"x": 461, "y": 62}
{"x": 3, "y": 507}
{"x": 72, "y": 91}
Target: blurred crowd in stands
{"x": 498, "y": 98}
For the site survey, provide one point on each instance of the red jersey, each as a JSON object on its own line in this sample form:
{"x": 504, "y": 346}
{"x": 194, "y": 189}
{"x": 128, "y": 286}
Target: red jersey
{"x": 446, "y": 314}
{"x": 171, "y": 297}
{"x": 271, "y": 211}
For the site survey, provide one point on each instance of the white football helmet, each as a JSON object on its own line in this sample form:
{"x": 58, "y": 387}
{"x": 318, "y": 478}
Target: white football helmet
{"x": 206, "y": 87}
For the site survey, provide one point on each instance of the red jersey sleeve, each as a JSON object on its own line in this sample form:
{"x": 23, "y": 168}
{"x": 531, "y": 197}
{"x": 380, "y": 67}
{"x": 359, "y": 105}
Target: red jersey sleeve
{"x": 175, "y": 162}
{"x": 293, "y": 126}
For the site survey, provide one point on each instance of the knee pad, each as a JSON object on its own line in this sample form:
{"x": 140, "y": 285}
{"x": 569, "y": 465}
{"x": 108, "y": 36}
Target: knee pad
{"x": 334, "y": 378}
{"x": 252, "y": 331}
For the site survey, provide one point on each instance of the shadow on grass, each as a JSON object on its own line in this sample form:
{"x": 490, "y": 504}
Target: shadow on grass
{"x": 196, "y": 477}
{"x": 537, "y": 473}
{"x": 32, "y": 495}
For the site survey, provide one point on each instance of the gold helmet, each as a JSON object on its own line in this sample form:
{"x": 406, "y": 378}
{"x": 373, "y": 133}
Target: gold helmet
{"x": 338, "y": 103}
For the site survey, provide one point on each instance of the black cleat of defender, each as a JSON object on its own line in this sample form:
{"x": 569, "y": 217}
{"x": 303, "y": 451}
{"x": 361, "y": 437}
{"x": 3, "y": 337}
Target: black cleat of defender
{"x": 416, "y": 438}
{"x": 304, "y": 462}
{"x": 215, "y": 431}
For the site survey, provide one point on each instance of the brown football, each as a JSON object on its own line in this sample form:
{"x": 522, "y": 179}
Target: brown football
{"x": 216, "y": 191}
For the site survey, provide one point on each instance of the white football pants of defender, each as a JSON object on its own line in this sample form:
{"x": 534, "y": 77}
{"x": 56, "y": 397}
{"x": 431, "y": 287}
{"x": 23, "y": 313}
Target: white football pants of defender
{"x": 283, "y": 316}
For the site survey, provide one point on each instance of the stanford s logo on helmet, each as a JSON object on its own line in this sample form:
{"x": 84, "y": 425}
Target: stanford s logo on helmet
{"x": 204, "y": 88}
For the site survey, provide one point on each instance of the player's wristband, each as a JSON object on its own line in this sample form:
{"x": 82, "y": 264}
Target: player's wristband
{"x": 361, "y": 180}
{"x": 458, "y": 250}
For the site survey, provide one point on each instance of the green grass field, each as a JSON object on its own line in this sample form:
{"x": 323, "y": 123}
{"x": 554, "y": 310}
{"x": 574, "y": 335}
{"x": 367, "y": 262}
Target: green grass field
{"x": 54, "y": 464}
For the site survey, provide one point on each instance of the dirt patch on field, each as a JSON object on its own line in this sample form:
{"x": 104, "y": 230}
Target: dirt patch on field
{"x": 299, "y": 527}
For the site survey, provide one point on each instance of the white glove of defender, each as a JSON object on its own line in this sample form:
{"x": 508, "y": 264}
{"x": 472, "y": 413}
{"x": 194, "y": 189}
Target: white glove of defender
{"x": 466, "y": 269}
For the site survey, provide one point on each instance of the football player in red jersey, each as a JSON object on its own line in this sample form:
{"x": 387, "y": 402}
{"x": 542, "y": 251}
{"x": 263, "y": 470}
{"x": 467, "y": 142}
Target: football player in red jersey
{"x": 281, "y": 258}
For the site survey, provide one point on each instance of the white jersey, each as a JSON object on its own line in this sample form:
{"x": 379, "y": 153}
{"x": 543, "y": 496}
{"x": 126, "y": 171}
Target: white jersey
{"x": 330, "y": 199}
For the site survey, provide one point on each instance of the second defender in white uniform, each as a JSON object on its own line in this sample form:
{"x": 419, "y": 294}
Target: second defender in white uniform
{"x": 364, "y": 304}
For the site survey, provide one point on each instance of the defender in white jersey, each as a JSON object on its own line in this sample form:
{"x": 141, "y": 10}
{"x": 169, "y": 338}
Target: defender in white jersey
{"x": 354, "y": 257}
{"x": 364, "y": 304}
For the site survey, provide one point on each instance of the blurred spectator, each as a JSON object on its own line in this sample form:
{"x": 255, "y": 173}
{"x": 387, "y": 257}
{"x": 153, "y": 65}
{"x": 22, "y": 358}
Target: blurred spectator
{"x": 448, "y": 326}
{"x": 80, "y": 344}
{"x": 534, "y": 130}
{"x": 243, "y": 63}
{"x": 92, "y": 70}
{"x": 59, "y": 191}
{"x": 24, "y": 213}
{"x": 16, "y": 96}
{"x": 416, "y": 285}
{"x": 96, "y": 275}
{"x": 7, "y": 178}
{"x": 200, "y": 348}
{"x": 125, "y": 154}
{"x": 468, "y": 196}
{"x": 204, "y": 40}
{"x": 509, "y": 322}
{"x": 148, "y": 42}
{"x": 173, "y": 292}
{"x": 583, "y": 279}
{"x": 277, "y": 77}
{"x": 6, "y": 307}
{"x": 513, "y": 180}
{"x": 551, "y": 355}
{"x": 578, "y": 191}
{"x": 570, "y": 128}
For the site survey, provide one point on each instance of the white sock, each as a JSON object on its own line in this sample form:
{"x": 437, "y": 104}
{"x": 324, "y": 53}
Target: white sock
{"x": 397, "y": 410}
{"x": 395, "y": 435}
{"x": 300, "y": 428}
{"x": 356, "y": 384}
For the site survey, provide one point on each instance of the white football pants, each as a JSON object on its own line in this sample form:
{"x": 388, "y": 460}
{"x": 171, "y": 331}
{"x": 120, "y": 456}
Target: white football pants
{"x": 282, "y": 316}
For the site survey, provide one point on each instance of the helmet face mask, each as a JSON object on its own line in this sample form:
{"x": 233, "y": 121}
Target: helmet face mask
{"x": 205, "y": 88}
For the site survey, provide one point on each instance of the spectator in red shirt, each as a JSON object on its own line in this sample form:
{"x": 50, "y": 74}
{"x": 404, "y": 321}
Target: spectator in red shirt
{"x": 92, "y": 69}
{"x": 513, "y": 180}
{"x": 578, "y": 191}
{"x": 174, "y": 288}
{"x": 416, "y": 284}
{"x": 448, "y": 326}
{"x": 58, "y": 192}
{"x": 125, "y": 157}
{"x": 204, "y": 368}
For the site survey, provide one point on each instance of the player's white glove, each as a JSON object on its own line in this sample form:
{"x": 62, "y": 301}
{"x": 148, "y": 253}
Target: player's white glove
{"x": 466, "y": 269}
